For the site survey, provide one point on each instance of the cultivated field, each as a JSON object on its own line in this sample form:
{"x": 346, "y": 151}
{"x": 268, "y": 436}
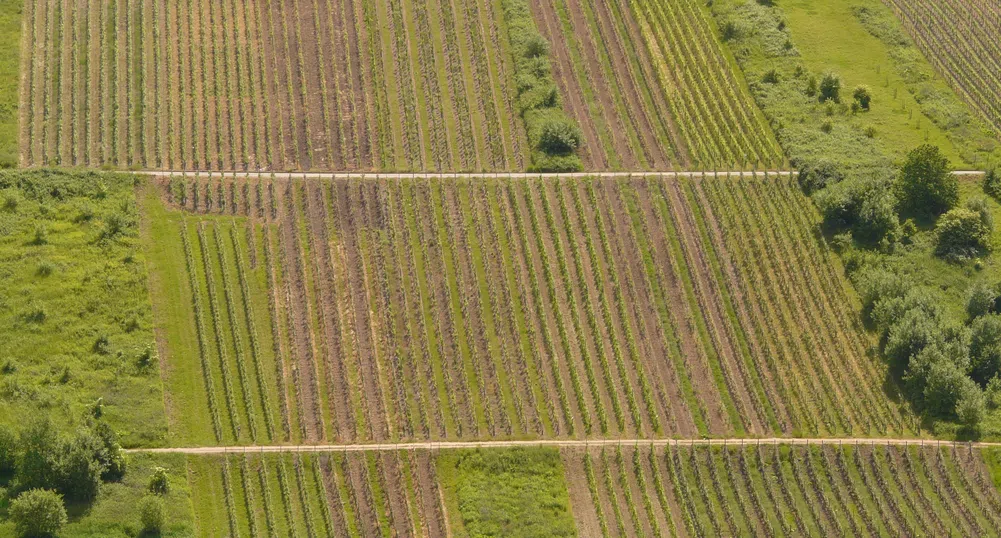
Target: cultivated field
{"x": 356, "y": 494}
{"x": 959, "y": 37}
{"x": 651, "y": 86}
{"x": 269, "y": 85}
{"x": 356, "y": 310}
{"x": 781, "y": 491}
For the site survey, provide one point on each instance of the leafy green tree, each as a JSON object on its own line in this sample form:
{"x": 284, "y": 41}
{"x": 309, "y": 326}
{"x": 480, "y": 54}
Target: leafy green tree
{"x": 911, "y": 333}
{"x": 983, "y": 297}
{"x": 151, "y": 514}
{"x": 8, "y": 450}
{"x": 926, "y": 187}
{"x": 992, "y": 184}
{"x": 971, "y": 406}
{"x": 78, "y": 469}
{"x": 38, "y": 449}
{"x": 37, "y": 512}
{"x": 985, "y": 348}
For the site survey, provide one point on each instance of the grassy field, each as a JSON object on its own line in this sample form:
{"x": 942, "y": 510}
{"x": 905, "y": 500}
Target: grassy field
{"x": 76, "y": 318}
{"x": 652, "y": 88}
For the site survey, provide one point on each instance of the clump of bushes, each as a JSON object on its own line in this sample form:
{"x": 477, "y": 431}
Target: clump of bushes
{"x": 964, "y": 232}
{"x": 553, "y": 136}
{"x": 862, "y": 96}
{"x": 37, "y": 512}
{"x": 864, "y": 205}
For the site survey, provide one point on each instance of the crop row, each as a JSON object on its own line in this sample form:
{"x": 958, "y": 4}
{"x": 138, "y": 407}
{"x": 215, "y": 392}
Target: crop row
{"x": 280, "y": 85}
{"x": 756, "y": 490}
{"x": 458, "y": 308}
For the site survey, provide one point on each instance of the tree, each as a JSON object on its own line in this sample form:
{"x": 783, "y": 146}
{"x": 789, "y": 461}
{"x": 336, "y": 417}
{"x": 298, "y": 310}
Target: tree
{"x": 961, "y": 234}
{"x": 37, "y": 455}
{"x": 78, "y": 469}
{"x": 159, "y": 483}
{"x": 971, "y": 406}
{"x": 37, "y": 512}
{"x": 830, "y": 88}
{"x": 925, "y": 187}
{"x": 981, "y": 301}
{"x": 992, "y": 184}
{"x": 985, "y": 348}
{"x": 151, "y": 514}
{"x": 8, "y": 450}
{"x": 814, "y": 176}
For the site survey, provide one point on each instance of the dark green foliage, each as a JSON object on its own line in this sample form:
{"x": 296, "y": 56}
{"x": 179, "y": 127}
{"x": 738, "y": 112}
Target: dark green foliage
{"x": 992, "y": 183}
{"x": 985, "y": 348}
{"x": 982, "y": 301}
{"x": 926, "y": 187}
{"x": 73, "y": 466}
{"x": 37, "y": 513}
{"x": 830, "y": 88}
{"x": 151, "y": 515}
{"x": 771, "y": 77}
{"x": 538, "y": 98}
{"x": 862, "y": 95}
{"x": 815, "y": 175}
{"x": 863, "y": 205}
{"x": 8, "y": 451}
{"x": 961, "y": 234}
{"x": 560, "y": 137}
{"x": 517, "y": 492}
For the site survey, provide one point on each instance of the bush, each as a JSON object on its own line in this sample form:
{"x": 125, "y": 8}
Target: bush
{"x": 961, "y": 234}
{"x": 862, "y": 96}
{"x": 559, "y": 137}
{"x": 151, "y": 514}
{"x": 37, "y": 512}
{"x": 926, "y": 188}
{"x": 910, "y": 334}
{"x": 159, "y": 482}
{"x": 536, "y": 46}
{"x": 41, "y": 235}
{"x": 983, "y": 297}
{"x": 830, "y": 88}
{"x": 771, "y": 77}
{"x": 992, "y": 184}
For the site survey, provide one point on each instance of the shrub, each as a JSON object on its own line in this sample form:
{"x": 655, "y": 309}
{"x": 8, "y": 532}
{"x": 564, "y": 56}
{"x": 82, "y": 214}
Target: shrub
{"x": 992, "y": 394}
{"x": 771, "y": 77}
{"x": 863, "y": 96}
{"x": 992, "y": 184}
{"x": 910, "y": 334}
{"x": 830, "y": 88}
{"x": 37, "y": 512}
{"x": 159, "y": 482}
{"x": 559, "y": 137}
{"x": 961, "y": 234}
{"x": 151, "y": 514}
{"x": 730, "y": 31}
{"x": 41, "y": 235}
{"x": 536, "y": 46}
{"x": 981, "y": 301}
{"x": 925, "y": 187}
{"x": 980, "y": 207}
{"x": 811, "y": 87}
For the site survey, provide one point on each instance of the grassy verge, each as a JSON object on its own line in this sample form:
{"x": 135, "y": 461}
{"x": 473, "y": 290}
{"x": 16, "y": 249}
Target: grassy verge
{"x": 10, "y": 67}
{"x": 75, "y": 316}
{"x": 519, "y": 492}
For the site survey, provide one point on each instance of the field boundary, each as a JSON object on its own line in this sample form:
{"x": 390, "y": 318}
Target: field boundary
{"x": 562, "y": 443}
